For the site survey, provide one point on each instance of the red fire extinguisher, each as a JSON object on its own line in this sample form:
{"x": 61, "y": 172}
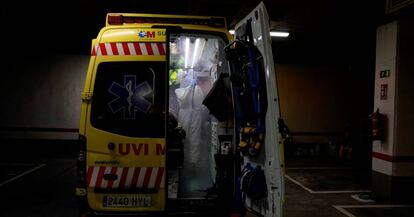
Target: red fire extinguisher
{"x": 378, "y": 125}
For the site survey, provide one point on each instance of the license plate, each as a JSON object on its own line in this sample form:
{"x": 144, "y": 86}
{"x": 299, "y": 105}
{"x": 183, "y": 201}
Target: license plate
{"x": 132, "y": 201}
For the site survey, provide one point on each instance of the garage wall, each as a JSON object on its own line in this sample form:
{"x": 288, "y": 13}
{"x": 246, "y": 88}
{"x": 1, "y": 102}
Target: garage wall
{"x": 45, "y": 92}
{"x": 323, "y": 100}
{"x": 41, "y": 96}
{"x": 405, "y": 94}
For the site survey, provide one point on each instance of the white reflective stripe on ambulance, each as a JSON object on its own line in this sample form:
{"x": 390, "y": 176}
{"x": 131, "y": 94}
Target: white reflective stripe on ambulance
{"x": 93, "y": 177}
{"x": 155, "y": 49}
{"x": 129, "y": 48}
{"x": 128, "y": 180}
{"x": 134, "y": 177}
{"x": 108, "y": 49}
{"x": 96, "y": 51}
{"x": 143, "y": 48}
{"x": 120, "y": 49}
{"x": 141, "y": 177}
{"x": 151, "y": 183}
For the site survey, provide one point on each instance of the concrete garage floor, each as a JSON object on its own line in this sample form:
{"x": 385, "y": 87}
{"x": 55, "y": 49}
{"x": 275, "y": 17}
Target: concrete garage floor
{"x": 300, "y": 203}
{"x": 46, "y": 189}
{"x": 326, "y": 188}
{"x": 42, "y": 185}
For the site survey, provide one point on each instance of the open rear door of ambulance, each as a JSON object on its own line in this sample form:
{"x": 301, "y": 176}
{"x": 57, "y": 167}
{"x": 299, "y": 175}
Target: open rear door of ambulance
{"x": 126, "y": 121}
{"x": 266, "y": 157}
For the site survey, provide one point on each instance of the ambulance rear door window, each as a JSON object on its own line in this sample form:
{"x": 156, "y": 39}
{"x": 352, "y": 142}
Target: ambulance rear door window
{"x": 129, "y": 99}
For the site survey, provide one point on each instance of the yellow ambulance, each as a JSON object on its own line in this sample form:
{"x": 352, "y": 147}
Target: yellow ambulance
{"x": 154, "y": 136}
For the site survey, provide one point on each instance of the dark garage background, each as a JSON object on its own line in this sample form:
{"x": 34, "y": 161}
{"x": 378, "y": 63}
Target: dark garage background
{"x": 325, "y": 74}
{"x": 326, "y": 64}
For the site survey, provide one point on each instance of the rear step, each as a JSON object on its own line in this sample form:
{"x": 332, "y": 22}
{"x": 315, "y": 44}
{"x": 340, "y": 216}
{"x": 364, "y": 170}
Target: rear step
{"x": 198, "y": 206}
{"x": 126, "y": 191}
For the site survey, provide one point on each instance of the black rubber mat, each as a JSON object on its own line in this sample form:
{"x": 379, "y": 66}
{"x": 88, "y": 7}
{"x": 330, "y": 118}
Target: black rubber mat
{"x": 332, "y": 179}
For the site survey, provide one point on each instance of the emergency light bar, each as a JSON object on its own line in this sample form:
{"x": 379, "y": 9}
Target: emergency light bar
{"x": 119, "y": 19}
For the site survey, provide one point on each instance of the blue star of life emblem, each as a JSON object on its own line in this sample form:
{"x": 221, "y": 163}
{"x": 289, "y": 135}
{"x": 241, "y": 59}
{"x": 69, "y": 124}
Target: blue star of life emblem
{"x": 142, "y": 34}
{"x": 130, "y": 98}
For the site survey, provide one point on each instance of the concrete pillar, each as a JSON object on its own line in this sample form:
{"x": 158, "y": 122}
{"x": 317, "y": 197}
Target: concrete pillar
{"x": 393, "y": 158}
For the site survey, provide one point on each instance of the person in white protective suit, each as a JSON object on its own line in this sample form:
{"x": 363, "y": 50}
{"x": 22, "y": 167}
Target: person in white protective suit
{"x": 190, "y": 100}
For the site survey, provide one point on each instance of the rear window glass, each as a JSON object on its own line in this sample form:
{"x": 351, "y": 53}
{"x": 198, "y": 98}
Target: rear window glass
{"x": 129, "y": 99}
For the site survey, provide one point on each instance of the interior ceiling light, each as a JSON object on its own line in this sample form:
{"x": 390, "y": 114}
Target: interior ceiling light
{"x": 197, "y": 43}
{"x": 202, "y": 49}
{"x": 272, "y": 33}
{"x": 187, "y": 47}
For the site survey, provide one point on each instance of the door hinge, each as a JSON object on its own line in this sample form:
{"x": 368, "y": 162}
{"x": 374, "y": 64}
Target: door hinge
{"x": 86, "y": 96}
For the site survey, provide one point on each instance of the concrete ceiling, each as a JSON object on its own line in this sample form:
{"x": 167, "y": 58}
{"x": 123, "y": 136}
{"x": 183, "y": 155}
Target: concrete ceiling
{"x": 315, "y": 26}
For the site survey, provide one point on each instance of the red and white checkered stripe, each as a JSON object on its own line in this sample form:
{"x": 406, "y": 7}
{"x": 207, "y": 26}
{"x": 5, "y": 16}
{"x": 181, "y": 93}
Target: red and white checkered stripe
{"x": 129, "y": 48}
{"x": 128, "y": 177}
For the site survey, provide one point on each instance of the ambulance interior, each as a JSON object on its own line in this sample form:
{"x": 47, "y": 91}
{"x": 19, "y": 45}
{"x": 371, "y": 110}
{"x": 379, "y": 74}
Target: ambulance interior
{"x": 196, "y": 139}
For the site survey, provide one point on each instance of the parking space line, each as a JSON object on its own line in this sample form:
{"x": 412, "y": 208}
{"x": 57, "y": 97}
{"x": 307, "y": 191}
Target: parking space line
{"x": 356, "y": 197}
{"x": 343, "y": 211}
{"x": 300, "y": 184}
{"x": 22, "y": 174}
{"x": 342, "y": 208}
{"x": 324, "y": 192}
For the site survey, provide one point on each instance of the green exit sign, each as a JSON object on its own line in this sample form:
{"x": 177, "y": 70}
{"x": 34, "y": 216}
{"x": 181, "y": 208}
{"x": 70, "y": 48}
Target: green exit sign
{"x": 384, "y": 73}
